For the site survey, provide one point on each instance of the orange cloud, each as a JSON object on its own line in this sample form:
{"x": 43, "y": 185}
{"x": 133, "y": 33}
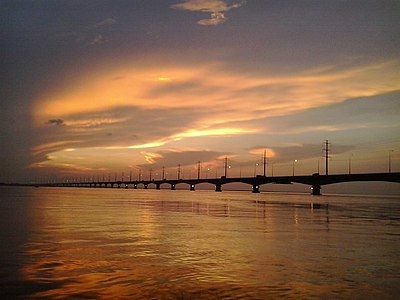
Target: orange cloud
{"x": 229, "y": 96}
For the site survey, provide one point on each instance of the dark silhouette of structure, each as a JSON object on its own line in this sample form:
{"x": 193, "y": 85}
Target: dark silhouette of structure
{"x": 316, "y": 181}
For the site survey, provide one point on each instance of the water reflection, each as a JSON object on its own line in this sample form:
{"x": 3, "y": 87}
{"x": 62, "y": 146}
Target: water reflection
{"x": 163, "y": 244}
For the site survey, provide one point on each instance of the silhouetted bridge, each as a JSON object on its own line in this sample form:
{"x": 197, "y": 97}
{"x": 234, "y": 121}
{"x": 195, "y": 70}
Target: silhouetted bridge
{"x": 315, "y": 181}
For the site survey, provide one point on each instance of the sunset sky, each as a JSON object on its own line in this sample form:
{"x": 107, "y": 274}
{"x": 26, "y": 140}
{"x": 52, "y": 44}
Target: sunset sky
{"x": 97, "y": 87}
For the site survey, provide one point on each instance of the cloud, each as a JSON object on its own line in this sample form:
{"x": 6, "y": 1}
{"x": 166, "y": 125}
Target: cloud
{"x": 217, "y": 9}
{"x": 377, "y": 111}
{"x": 225, "y": 93}
{"x": 216, "y": 19}
{"x": 105, "y": 23}
{"x": 98, "y": 40}
{"x": 204, "y": 106}
{"x": 171, "y": 158}
{"x": 56, "y": 122}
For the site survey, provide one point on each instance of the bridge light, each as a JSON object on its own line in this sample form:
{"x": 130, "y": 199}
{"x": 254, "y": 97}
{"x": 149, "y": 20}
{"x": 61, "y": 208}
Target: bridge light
{"x": 295, "y": 161}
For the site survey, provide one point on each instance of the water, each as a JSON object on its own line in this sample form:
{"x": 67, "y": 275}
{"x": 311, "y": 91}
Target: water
{"x": 103, "y": 243}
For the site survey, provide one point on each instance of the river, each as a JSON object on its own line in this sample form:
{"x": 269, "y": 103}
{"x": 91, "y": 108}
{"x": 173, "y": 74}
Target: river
{"x": 140, "y": 244}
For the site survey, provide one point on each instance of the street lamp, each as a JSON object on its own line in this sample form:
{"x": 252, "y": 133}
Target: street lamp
{"x": 208, "y": 169}
{"x": 390, "y": 160}
{"x": 295, "y": 161}
{"x": 255, "y": 169}
{"x": 350, "y": 163}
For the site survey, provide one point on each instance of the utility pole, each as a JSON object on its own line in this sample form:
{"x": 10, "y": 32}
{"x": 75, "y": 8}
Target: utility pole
{"x": 326, "y": 157}
{"x": 179, "y": 172}
{"x": 198, "y": 169}
{"x": 265, "y": 162}
{"x": 226, "y": 165}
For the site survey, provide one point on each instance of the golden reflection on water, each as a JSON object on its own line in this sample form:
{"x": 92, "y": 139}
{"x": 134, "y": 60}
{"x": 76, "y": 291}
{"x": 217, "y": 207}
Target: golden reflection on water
{"x": 164, "y": 244}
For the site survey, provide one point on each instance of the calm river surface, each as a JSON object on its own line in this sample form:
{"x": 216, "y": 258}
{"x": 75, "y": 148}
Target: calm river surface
{"x": 108, "y": 243}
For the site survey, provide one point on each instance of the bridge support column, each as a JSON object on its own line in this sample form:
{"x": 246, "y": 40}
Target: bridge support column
{"x": 158, "y": 186}
{"x": 145, "y": 186}
{"x": 172, "y": 187}
{"x": 192, "y": 187}
{"x": 135, "y": 186}
{"x": 256, "y": 188}
{"x": 316, "y": 190}
{"x": 119, "y": 185}
{"x": 218, "y": 188}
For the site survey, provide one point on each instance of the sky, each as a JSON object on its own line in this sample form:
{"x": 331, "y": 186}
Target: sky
{"x": 90, "y": 88}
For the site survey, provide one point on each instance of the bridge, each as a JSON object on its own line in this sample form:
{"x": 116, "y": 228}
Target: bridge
{"x": 315, "y": 181}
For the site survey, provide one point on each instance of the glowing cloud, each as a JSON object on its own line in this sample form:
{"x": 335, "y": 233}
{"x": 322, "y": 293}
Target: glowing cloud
{"x": 217, "y": 8}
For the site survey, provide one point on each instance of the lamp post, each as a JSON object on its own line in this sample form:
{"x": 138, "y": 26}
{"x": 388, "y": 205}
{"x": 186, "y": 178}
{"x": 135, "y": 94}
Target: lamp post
{"x": 350, "y": 163}
{"x": 226, "y": 166}
{"x": 295, "y": 161}
{"x": 208, "y": 169}
{"x": 198, "y": 169}
{"x": 390, "y": 160}
{"x": 255, "y": 169}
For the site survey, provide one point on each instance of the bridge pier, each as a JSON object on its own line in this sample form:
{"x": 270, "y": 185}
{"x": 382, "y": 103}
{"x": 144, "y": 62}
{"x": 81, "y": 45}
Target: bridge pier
{"x": 316, "y": 190}
{"x": 256, "y": 188}
{"x": 218, "y": 187}
{"x": 145, "y": 186}
{"x": 119, "y": 185}
{"x": 172, "y": 187}
{"x": 158, "y": 186}
{"x": 135, "y": 186}
{"x": 192, "y": 187}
